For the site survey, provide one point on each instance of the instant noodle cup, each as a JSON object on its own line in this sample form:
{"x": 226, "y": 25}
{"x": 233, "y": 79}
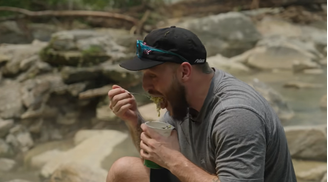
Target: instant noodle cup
{"x": 163, "y": 129}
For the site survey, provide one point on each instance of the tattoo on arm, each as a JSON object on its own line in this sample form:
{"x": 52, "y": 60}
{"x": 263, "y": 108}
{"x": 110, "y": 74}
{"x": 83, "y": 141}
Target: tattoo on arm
{"x": 136, "y": 132}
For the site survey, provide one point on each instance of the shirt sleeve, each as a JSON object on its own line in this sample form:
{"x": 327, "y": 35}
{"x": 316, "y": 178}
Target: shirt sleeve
{"x": 240, "y": 146}
{"x": 167, "y": 119}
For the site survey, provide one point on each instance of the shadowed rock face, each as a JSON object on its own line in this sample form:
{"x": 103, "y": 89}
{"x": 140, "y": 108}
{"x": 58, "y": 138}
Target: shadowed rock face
{"x": 229, "y": 34}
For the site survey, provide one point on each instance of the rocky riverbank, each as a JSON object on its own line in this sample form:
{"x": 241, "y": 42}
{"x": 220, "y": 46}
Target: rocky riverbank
{"x": 54, "y": 115}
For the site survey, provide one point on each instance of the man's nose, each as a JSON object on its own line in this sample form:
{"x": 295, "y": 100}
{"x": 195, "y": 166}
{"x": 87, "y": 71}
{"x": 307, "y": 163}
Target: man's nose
{"x": 146, "y": 84}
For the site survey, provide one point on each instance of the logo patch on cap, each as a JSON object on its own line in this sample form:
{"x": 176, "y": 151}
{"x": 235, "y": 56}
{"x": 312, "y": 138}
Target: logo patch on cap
{"x": 199, "y": 60}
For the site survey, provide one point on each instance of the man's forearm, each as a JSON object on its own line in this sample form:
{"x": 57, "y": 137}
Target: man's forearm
{"x": 136, "y": 131}
{"x": 186, "y": 171}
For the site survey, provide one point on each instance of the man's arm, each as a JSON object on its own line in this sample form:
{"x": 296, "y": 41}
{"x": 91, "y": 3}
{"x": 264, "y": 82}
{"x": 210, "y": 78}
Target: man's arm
{"x": 136, "y": 131}
{"x": 186, "y": 171}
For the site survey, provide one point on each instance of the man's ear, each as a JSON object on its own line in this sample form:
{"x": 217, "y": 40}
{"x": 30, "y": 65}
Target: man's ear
{"x": 185, "y": 71}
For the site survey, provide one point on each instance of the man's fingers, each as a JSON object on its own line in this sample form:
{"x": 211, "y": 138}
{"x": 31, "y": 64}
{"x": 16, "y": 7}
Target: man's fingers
{"x": 148, "y": 131}
{"x": 144, "y": 147}
{"x": 114, "y": 92}
{"x": 121, "y": 103}
{"x": 123, "y": 109}
{"x": 119, "y": 97}
{"x": 115, "y": 86}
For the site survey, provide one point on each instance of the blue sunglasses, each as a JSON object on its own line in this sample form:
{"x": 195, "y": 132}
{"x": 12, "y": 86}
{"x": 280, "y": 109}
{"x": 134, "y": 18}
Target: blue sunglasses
{"x": 144, "y": 49}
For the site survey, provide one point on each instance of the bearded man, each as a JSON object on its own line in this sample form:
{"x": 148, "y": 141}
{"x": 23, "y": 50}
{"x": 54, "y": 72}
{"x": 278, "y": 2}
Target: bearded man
{"x": 224, "y": 130}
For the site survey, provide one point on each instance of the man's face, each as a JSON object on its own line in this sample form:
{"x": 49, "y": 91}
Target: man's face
{"x": 162, "y": 81}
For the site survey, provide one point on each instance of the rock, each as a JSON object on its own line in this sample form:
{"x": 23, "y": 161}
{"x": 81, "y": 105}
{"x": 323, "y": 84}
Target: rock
{"x": 278, "y": 27}
{"x": 20, "y": 138}
{"x": 323, "y": 102}
{"x": 302, "y": 85}
{"x": 97, "y": 92}
{"x": 149, "y": 112}
{"x": 36, "y": 126}
{"x": 227, "y": 65}
{"x": 105, "y": 114}
{"x": 74, "y": 172}
{"x": 282, "y": 53}
{"x": 27, "y": 63}
{"x": 11, "y": 33}
{"x": 37, "y": 69}
{"x": 4, "y": 58}
{"x": 81, "y": 48}
{"x": 43, "y": 112}
{"x": 121, "y": 76}
{"x": 72, "y": 58}
{"x": 10, "y": 100}
{"x": 18, "y": 180}
{"x": 5, "y": 126}
{"x": 19, "y": 53}
{"x": 68, "y": 119}
{"x": 228, "y": 34}
{"x": 5, "y": 149}
{"x": 324, "y": 179}
{"x": 6, "y": 164}
{"x": 73, "y": 75}
{"x": 277, "y": 102}
{"x": 89, "y": 152}
{"x": 44, "y": 148}
{"x": 298, "y": 66}
{"x": 307, "y": 142}
{"x": 313, "y": 71}
{"x": 40, "y": 160}
{"x": 309, "y": 170}
{"x": 323, "y": 62}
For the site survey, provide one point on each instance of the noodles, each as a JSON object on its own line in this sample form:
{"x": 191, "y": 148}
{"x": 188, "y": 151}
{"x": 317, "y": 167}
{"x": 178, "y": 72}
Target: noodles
{"x": 158, "y": 101}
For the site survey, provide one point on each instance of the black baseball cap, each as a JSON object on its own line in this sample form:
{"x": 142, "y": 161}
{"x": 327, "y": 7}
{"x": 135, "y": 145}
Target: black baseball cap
{"x": 173, "y": 39}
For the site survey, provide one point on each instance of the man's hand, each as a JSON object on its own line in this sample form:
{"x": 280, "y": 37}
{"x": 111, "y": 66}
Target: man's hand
{"x": 123, "y": 104}
{"x": 158, "y": 148}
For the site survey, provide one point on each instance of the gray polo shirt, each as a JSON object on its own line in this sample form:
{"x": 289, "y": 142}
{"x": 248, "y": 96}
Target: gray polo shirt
{"x": 236, "y": 135}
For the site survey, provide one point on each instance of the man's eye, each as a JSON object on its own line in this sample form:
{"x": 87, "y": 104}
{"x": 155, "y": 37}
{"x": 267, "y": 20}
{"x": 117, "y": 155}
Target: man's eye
{"x": 152, "y": 76}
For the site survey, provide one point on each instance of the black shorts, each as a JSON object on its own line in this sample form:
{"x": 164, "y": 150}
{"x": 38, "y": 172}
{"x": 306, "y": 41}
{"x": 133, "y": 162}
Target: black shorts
{"x": 162, "y": 175}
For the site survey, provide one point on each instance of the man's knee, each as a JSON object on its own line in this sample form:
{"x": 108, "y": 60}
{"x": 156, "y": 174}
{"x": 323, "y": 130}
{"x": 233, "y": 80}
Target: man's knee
{"x": 127, "y": 168}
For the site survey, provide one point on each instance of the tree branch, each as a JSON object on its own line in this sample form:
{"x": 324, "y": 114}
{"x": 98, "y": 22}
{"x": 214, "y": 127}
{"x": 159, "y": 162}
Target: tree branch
{"x": 71, "y": 13}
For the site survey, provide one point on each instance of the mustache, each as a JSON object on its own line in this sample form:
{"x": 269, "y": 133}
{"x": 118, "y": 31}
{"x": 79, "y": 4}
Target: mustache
{"x": 153, "y": 92}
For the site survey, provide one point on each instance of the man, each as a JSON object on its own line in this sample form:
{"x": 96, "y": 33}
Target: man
{"x": 225, "y": 130}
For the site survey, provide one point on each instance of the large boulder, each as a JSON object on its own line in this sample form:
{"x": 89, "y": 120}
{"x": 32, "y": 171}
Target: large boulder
{"x": 21, "y": 57}
{"x": 226, "y": 64}
{"x": 307, "y": 142}
{"x": 81, "y": 48}
{"x": 92, "y": 147}
{"x": 228, "y": 34}
{"x": 74, "y": 172}
{"x": 273, "y": 27}
{"x": 283, "y": 53}
{"x": 119, "y": 75}
{"x": 309, "y": 170}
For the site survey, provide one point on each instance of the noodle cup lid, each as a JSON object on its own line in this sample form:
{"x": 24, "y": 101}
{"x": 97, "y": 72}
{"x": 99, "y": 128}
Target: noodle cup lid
{"x": 162, "y": 128}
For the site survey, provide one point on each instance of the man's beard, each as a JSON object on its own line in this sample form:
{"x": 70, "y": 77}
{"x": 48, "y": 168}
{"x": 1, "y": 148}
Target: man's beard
{"x": 177, "y": 99}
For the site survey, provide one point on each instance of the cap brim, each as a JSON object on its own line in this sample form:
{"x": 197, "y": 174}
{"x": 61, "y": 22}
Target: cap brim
{"x": 137, "y": 64}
